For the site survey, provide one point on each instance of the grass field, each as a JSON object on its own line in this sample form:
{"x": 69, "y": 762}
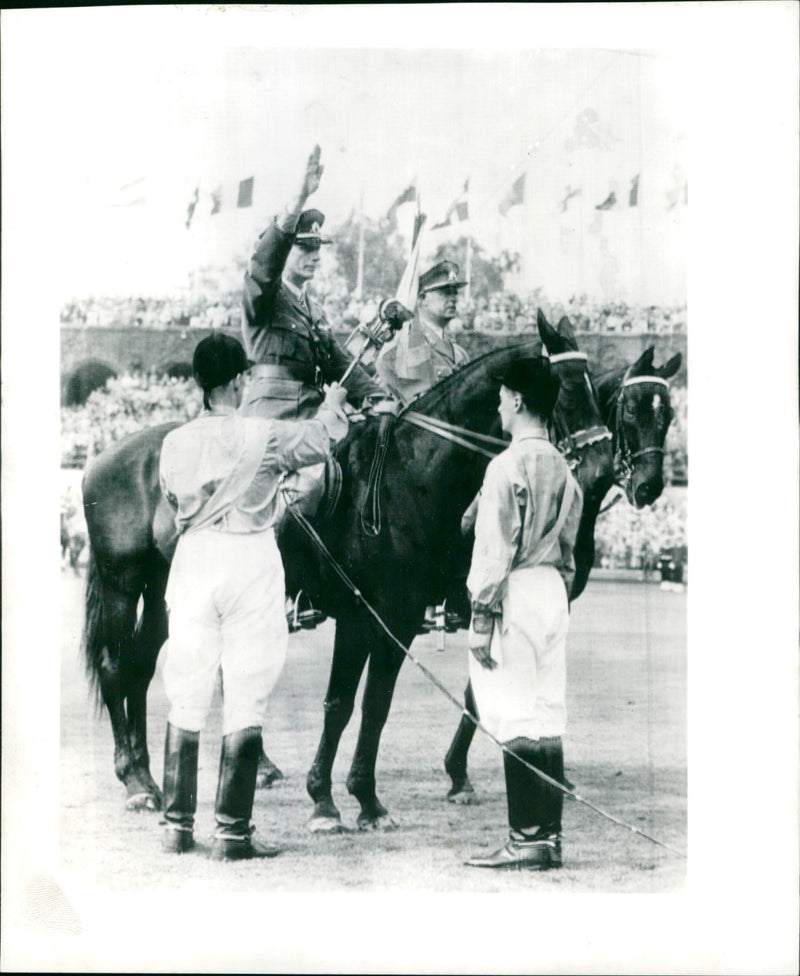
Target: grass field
{"x": 625, "y": 752}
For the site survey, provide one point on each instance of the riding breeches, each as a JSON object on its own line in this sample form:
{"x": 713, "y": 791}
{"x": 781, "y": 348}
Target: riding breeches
{"x": 226, "y": 610}
{"x": 525, "y": 695}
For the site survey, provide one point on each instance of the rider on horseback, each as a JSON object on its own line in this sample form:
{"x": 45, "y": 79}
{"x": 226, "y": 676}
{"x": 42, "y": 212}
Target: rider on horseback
{"x": 421, "y": 353}
{"x": 286, "y": 333}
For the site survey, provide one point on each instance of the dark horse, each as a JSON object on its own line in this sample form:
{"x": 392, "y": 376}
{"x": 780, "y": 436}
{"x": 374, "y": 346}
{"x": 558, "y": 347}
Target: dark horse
{"x": 635, "y": 405}
{"x": 427, "y": 484}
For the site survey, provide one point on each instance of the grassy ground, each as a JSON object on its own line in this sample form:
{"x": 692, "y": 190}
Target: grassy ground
{"x": 625, "y": 751}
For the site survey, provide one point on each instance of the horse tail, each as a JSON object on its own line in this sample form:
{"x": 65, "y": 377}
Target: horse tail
{"x": 94, "y": 638}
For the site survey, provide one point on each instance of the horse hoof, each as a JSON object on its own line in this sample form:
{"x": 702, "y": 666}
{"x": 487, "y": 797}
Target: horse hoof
{"x": 327, "y": 825}
{"x": 382, "y": 823}
{"x": 265, "y": 780}
{"x": 462, "y": 793}
{"x": 142, "y": 801}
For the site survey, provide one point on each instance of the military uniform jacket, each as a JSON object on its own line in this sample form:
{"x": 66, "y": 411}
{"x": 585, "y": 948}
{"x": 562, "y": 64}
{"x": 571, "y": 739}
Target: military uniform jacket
{"x": 417, "y": 358}
{"x": 285, "y": 329}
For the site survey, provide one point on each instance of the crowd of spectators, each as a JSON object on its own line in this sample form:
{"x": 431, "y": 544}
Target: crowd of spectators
{"x": 506, "y": 312}
{"x": 503, "y": 312}
{"x": 629, "y": 538}
{"x": 220, "y": 312}
{"x": 124, "y": 405}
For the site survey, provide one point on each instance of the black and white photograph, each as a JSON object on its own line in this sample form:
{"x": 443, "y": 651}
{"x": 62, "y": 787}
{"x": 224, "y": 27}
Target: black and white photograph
{"x": 392, "y": 628}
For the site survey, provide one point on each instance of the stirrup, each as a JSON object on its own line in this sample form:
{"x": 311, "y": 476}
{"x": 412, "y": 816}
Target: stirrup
{"x": 306, "y": 619}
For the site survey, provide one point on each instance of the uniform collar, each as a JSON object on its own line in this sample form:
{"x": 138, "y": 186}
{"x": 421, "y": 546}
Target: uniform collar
{"x": 299, "y": 293}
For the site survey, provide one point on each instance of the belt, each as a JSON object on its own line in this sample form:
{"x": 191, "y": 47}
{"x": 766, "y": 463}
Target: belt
{"x": 271, "y": 371}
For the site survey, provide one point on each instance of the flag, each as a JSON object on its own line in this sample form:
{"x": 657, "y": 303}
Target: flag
{"x": 409, "y": 194}
{"x": 409, "y": 284}
{"x": 515, "y": 195}
{"x": 458, "y": 209}
{"x": 216, "y": 200}
{"x": 132, "y": 194}
{"x": 570, "y": 193}
{"x": 609, "y": 202}
{"x": 245, "y": 198}
{"x": 633, "y": 196}
{"x": 191, "y": 208}
{"x": 680, "y": 190}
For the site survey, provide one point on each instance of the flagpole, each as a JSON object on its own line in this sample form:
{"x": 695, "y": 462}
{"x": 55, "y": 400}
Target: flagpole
{"x": 468, "y": 267}
{"x": 360, "y": 271}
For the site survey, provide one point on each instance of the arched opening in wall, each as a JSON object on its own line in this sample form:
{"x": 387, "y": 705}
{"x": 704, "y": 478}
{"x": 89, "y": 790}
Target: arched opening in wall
{"x": 178, "y": 371}
{"x": 85, "y": 379}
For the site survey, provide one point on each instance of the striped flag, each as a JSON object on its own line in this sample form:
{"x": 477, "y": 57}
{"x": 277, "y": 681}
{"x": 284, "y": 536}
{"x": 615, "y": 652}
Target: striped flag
{"x": 515, "y": 195}
{"x": 192, "y": 206}
{"x": 570, "y": 193}
{"x": 409, "y": 194}
{"x": 458, "y": 211}
{"x": 609, "y": 202}
{"x": 245, "y": 197}
{"x": 407, "y": 290}
{"x": 633, "y": 196}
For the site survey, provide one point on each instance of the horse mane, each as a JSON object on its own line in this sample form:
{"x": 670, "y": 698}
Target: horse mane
{"x": 443, "y": 390}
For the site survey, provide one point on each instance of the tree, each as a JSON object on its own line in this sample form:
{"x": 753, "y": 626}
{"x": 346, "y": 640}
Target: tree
{"x": 384, "y": 257}
{"x": 486, "y": 274}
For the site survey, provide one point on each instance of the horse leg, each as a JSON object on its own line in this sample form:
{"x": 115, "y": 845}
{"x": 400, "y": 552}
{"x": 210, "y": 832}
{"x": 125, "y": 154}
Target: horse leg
{"x": 110, "y": 650}
{"x": 455, "y": 762}
{"x": 384, "y": 666}
{"x": 151, "y": 632}
{"x": 350, "y": 650}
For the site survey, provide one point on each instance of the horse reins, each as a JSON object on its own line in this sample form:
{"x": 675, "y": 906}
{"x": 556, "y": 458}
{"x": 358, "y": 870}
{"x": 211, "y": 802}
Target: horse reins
{"x": 624, "y": 458}
{"x": 568, "y": 443}
{"x": 350, "y": 585}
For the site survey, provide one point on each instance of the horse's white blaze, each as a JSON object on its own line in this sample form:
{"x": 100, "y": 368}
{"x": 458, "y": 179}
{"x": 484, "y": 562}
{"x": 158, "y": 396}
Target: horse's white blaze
{"x": 656, "y": 402}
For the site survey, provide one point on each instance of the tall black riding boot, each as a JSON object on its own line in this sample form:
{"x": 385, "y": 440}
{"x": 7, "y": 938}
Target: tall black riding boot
{"x": 238, "y": 767}
{"x": 534, "y": 806}
{"x": 455, "y": 762}
{"x": 180, "y": 789}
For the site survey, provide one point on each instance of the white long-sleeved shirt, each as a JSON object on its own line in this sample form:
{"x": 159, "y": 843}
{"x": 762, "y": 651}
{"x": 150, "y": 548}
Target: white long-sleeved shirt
{"x": 519, "y": 504}
{"x": 244, "y": 458}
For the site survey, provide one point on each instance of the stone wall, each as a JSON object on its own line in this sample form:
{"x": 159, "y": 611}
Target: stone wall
{"x": 123, "y": 349}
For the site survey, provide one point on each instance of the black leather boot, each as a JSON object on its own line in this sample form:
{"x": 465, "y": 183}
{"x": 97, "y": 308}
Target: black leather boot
{"x": 180, "y": 789}
{"x": 238, "y": 767}
{"x": 534, "y": 806}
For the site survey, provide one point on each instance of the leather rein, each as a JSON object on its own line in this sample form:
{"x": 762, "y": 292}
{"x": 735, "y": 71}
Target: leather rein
{"x": 570, "y": 444}
{"x": 567, "y": 442}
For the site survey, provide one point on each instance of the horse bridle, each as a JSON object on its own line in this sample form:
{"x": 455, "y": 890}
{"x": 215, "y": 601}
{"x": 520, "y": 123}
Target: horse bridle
{"x": 624, "y": 458}
{"x": 571, "y": 443}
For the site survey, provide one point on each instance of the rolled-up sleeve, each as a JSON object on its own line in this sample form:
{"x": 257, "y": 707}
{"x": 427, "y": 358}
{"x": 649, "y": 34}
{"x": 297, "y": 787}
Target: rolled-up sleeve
{"x": 497, "y": 535}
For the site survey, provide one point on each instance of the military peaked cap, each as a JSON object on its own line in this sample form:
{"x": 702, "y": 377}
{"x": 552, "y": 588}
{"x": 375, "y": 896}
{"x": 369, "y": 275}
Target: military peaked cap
{"x": 441, "y": 275}
{"x": 307, "y": 233}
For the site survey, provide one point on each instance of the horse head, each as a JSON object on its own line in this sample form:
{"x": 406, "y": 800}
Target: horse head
{"x": 577, "y": 425}
{"x": 637, "y": 405}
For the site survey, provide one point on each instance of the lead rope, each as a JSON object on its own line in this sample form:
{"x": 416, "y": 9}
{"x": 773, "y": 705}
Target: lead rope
{"x": 313, "y": 535}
